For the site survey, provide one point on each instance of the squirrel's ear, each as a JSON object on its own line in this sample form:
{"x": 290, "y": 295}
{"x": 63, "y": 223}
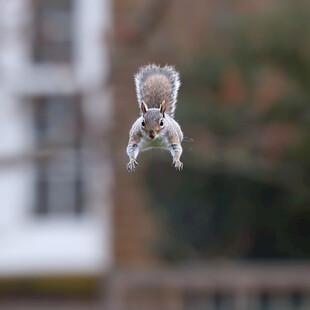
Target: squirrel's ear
{"x": 162, "y": 107}
{"x": 144, "y": 107}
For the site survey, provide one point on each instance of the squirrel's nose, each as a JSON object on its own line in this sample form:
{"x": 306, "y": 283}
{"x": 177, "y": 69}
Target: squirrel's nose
{"x": 152, "y": 134}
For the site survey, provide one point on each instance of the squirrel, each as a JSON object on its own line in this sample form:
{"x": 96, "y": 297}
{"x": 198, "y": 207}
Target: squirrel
{"x": 157, "y": 89}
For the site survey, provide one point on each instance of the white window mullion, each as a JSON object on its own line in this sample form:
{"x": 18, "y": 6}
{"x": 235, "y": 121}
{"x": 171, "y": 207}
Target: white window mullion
{"x": 16, "y": 174}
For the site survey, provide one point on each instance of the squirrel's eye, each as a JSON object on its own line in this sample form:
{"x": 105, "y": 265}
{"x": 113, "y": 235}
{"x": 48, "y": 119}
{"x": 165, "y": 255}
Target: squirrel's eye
{"x": 161, "y": 123}
{"x": 143, "y": 124}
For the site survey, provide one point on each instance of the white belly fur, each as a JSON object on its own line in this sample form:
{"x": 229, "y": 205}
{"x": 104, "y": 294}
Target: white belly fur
{"x": 160, "y": 142}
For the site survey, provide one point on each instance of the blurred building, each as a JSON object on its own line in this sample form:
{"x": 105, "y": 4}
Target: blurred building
{"x": 54, "y": 186}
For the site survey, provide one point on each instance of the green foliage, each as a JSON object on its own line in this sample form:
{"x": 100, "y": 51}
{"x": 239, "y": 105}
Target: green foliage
{"x": 246, "y": 102}
{"x": 208, "y": 215}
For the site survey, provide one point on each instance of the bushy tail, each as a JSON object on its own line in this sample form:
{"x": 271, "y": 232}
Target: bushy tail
{"x": 155, "y": 84}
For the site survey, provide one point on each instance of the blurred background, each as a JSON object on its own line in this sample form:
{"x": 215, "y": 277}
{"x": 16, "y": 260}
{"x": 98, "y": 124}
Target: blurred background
{"x": 230, "y": 232}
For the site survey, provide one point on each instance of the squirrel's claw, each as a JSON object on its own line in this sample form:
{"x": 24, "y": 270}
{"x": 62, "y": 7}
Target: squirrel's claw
{"x": 131, "y": 166}
{"x": 177, "y": 164}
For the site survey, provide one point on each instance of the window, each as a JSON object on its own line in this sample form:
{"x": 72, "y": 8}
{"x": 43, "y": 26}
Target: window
{"x": 52, "y": 31}
{"x": 59, "y": 172}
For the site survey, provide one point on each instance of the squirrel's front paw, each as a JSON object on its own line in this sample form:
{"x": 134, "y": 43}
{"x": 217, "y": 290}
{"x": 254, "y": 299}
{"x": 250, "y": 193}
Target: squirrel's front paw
{"x": 177, "y": 164}
{"x": 131, "y": 166}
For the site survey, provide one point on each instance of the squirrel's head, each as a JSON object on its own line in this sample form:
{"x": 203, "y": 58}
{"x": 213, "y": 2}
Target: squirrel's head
{"x": 153, "y": 119}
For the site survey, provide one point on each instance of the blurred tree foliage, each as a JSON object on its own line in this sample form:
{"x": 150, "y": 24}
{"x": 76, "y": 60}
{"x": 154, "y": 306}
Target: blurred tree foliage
{"x": 245, "y": 189}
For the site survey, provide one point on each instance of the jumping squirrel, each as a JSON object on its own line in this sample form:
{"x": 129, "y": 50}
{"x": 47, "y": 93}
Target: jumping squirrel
{"x": 157, "y": 89}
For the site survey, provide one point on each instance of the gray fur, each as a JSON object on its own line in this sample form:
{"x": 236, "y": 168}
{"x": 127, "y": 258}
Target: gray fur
{"x": 156, "y": 127}
{"x": 169, "y": 138}
{"x": 155, "y": 84}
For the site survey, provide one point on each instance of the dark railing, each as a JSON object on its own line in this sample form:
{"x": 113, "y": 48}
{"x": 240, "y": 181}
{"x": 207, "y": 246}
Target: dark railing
{"x": 255, "y": 286}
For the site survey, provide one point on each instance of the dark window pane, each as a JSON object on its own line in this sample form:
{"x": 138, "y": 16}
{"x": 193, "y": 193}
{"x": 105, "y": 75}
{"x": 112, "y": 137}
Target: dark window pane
{"x": 52, "y": 31}
{"x": 65, "y": 5}
{"x": 59, "y": 174}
